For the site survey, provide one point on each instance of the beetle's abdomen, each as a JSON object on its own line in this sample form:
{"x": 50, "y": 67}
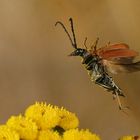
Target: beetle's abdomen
{"x": 94, "y": 68}
{"x": 98, "y": 74}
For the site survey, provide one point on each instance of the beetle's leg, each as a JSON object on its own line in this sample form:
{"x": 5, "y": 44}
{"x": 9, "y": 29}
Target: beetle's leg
{"x": 119, "y": 102}
{"x": 94, "y": 46}
{"x": 114, "y": 96}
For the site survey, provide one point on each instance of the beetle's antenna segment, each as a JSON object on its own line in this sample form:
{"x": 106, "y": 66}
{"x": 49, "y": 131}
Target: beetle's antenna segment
{"x": 59, "y": 22}
{"x": 72, "y": 29}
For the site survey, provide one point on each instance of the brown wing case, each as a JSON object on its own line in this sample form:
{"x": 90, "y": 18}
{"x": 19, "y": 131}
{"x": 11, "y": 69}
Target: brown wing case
{"x": 119, "y": 58}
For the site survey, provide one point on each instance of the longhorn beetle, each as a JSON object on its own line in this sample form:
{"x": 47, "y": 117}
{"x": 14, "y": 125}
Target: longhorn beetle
{"x": 113, "y": 58}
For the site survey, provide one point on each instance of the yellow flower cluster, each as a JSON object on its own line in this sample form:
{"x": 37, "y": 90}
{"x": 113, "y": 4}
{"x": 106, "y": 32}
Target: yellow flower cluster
{"x": 8, "y": 134}
{"x": 75, "y": 134}
{"x": 48, "y": 116}
{"x": 130, "y": 138}
{"x": 23, "y": 126}
{"x": 44, "y": 122}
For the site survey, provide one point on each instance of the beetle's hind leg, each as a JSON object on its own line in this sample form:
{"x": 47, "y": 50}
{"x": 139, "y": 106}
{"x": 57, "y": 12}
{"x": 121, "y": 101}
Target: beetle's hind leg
{"x": 114, "y": 96}
{"x": 118, "y": 101}
{"x": 121, "y": 107}
{"x": 107, "y": 82}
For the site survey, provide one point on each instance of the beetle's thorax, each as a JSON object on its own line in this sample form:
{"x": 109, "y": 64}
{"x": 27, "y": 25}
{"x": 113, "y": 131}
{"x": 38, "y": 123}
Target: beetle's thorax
{"x": 85, "y": 54}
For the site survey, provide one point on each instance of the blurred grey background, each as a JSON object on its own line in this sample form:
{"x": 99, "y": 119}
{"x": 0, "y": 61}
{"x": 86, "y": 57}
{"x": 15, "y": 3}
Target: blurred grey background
{"x": 34, "y": 65}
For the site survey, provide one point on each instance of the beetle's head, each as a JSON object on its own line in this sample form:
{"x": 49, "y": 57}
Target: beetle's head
{"x": 78, "y": 52}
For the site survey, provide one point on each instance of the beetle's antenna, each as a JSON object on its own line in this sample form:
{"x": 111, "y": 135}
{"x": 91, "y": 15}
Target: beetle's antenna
{"x": 59, "y": 22}
{"x": 72, "y": 29}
